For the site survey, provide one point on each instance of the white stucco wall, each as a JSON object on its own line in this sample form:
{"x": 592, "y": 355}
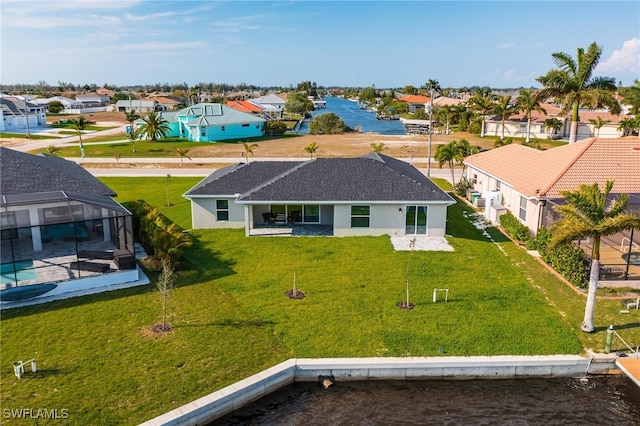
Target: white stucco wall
{"x": 203, "y": 214}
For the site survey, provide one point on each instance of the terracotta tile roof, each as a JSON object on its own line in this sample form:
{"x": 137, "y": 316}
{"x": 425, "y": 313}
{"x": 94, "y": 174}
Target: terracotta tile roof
{"x": 554, "y": 111}
{"x": 543, "y": 174}
{"x": 244, "y": 106}
{"x": 415, "y": 99}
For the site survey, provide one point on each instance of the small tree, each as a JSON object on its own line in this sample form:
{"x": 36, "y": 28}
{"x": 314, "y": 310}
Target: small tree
{"x": 52, "y": 149}
{"x": 183, "y": 152}
{"x": 80, "y": 124}
{"x": 248, "y": 150}
{"x": 311, "y": 149}
{"x": 405, "y": 304}
{"x": 117, "y": 156}
{"x": 552, "y": 125}
{"x": 165, "y": 285}
{"x": 55, "y": 107}
{"x": 133, "y": 136}
{"x": 295, "y": 293}
{"x": 598, "y": 123}
{"x": 377, "y": 147}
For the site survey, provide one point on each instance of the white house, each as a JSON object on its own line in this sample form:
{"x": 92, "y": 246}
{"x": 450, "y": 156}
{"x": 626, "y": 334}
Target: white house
{"x": 15, "y": 111}
{"x": 369, "y": 195}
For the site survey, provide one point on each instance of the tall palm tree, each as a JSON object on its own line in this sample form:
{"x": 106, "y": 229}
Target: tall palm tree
{"x": 80, "y": 124}
{"x": 433, "y": 86}
{"x": 482, "y": 101}
{"x": 597, "y": 123}
{"x": 504, "y": 108}
{"x": 552, "y": 124}
{"x": 248, "y": 150}
{"x": 154, "y": 127}
{"x": 527, "y": 102}
{"x": 588, "y": 213}
{"x": 311, "y": 149}
{"x": 183, "y": 152}
{"x": 449, "y": 154}
{"x": 573, "y": 85}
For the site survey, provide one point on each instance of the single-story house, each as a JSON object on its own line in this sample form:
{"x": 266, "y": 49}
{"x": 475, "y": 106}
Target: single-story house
{"x": 15, "y": 111}
{"x": 61, "y": 229}
{"x": 139, "y": 105}
{"x": 515, "y": 125}
{"x": 528, "y": 183}
{"x": 369, "y": 195}
{"x": 273, "y": 100}
{"x": 416, "y": 102}
{"x": 210, "y": 122}
{"x": 92, "y": 99}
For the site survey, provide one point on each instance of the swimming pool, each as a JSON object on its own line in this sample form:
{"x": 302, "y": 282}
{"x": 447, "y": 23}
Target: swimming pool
{"x": 24, "y": 270}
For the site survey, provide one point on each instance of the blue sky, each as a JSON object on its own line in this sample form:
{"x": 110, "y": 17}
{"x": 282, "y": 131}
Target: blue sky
{"x": 333, "y": 43}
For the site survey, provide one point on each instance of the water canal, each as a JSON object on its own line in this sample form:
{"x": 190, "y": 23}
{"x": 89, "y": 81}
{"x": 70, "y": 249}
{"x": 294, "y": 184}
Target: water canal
{"x": 354, "y": 117}
{"x": 613, "y": 400}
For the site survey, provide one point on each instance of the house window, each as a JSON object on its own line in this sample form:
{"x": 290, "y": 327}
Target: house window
{"x": 222, "y": 128}
{"x": 311, "y": 213}
{"x": 523, "y": 208}
{"x": 360, "y": 216}
{"x": 245, "y": 125}
{"x": 257, "y": 126}
{"x": 475, "y": 179}
{"x": 222, "y": 210}
{"x": 498, "y": 185}
{"x": 203, "y": 131}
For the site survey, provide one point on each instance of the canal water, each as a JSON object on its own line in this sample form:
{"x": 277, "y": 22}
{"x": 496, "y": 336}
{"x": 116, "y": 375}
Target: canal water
{"x": 611, "y": 400}
{"x": 354, "y": 117}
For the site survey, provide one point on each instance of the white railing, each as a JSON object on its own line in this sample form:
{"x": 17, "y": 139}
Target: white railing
{"x": 633, "y": 245}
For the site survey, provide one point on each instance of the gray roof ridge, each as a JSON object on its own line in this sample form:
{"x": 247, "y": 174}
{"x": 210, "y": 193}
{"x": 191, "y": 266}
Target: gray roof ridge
{"x": 376, "y": 156}
{"x": 216, "y": 175}
{"x": 297, "y": 165}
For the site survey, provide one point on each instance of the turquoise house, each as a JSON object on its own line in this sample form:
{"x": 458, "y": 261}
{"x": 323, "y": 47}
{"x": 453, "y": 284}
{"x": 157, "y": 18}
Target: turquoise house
{"x": 209, "y": 122}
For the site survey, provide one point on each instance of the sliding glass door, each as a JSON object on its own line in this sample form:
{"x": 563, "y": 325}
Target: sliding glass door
{"x": 416, "y": 220}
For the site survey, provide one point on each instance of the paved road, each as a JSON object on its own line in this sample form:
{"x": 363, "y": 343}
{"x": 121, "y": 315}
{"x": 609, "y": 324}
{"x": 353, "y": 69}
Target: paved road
{"x": 30, "y": 145}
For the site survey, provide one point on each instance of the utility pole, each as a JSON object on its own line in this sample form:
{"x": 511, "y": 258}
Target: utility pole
{"x": 430, "y": 133}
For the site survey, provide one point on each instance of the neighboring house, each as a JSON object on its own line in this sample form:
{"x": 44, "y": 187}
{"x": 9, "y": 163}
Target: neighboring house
{"x": 67, "y": 103}
{"x": 209, "y": 122}
{"x": 271, "y": 102}
{"x": 416, "y": 102}
{"x": 93, "y": 99}
{"x": 62, "y": 231}
{"x": 15, "y": 111}
{"x": 166, "y": 103}
{"x": 369, "y": 195}
{"x": 515, "y": 125}
{"x": 445, "y": 101}
{"x": 527, "y": 182}
{"x": 246, "y": 107}
{"x": 139, "y": 105}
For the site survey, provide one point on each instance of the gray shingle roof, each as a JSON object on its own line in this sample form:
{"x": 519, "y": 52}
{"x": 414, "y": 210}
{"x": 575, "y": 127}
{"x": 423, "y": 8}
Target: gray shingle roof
{"x": 373, "y": 177}
{"x": 22, "y": 173}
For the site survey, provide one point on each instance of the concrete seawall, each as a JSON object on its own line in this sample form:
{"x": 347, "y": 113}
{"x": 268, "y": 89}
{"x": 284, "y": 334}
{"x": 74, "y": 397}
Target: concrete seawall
{"x": 230, "y": 398}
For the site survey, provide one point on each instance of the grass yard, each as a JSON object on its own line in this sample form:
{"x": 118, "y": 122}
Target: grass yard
{"x": 232, "y": 319}
{"x": 4, "y": 135}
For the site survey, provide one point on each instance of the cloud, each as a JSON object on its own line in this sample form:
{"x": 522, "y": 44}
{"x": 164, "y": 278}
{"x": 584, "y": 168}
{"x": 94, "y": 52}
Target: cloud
{"x": 154, "y": 45}
{"x": 624, "y": 60}
{"x": 236, "y": 25}
{"x": 505, "y": 46}
{"x": 134, "y": 18}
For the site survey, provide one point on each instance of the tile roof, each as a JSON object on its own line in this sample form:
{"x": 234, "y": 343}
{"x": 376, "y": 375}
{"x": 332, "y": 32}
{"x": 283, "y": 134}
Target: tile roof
{"x": 554, "y": 111}
{"x": 373, "y": 177}
{"x": 244, "y": 106}
{"x": 415, "y": 99}
{"x": 23, "y": 173}
{"x": 544, "y": 174}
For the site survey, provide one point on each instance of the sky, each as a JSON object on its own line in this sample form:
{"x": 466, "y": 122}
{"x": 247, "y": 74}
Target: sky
{"x": 500, "y": 44}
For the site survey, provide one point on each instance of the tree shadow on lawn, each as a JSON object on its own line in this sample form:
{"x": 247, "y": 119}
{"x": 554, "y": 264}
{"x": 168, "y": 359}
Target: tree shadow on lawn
{"x": 231, "y": 323}
{"x": 618, "y": 327}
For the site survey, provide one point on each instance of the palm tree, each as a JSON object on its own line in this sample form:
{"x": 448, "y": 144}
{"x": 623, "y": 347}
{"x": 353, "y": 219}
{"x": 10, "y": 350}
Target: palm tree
{"x": 527, "y": 102}
{"x": 552, "y": 124}
{"x": 131, "y": 117}
{"x": 133, "y": 136}
{"x": 482, "y": 101}
{"x": 502, "y": 142}
{"x": 248, "y": 150}
{"x": 627, "y": 126}
{"x": 534, "y": 143}
{"x": 445, "y": 114}
{"x": 80, "y": 124}
{"x": 154, "y": 127}
{"x": 52, "y": 149}
{"x": 466, "y": 149}
{"x": 183, "y": 152}
{"x": 504, "y": 108}
{"x": 587, "y": 213}
{"x": 311, "y": 149}
{"x": 573, "y": 86}
{"x": 449, "y": 154}
{"x": 597, "y": 123}
{"x": 377, "y": 147}
{"x": 433, "y": 86}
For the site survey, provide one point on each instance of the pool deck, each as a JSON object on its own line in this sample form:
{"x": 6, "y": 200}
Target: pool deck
{"x": 631, "y": 367}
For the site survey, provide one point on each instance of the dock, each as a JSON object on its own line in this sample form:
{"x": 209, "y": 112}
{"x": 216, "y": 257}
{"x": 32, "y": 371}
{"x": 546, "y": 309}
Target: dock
{"x": 631, "y": 367}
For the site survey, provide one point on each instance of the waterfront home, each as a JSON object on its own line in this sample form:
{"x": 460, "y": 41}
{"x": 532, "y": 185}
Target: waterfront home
{"x": 369, "y": 195}
{"x": 528, "y": 183}
{"x": 211, "y": 122}
{"x": 62, "y": 231}
{"x": 416, "y": 102}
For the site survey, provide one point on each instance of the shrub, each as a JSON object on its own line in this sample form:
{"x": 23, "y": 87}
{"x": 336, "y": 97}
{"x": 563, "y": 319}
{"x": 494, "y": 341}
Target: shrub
{"x": 463, "y": 186}
{"x": 512, "y": 226}
{"x": 275, "y": 128}
{"x": 568, "y": 260}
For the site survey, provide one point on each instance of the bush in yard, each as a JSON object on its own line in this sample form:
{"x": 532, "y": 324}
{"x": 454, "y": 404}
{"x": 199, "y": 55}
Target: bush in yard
{"x": 514, "y": 228}
{"x": 568, "y": 260}
{"x": 275, "y": 128}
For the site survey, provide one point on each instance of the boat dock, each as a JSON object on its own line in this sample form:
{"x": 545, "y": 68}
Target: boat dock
{"x": 631, "y": 367}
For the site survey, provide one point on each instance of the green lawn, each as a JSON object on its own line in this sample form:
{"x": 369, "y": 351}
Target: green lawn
{"x": 232, "y": 318}
{"x": 24, "y": 136}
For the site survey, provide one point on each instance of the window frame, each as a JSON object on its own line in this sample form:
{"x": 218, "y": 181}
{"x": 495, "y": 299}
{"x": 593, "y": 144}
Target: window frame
{"x": 522, "y": 209}
{"x": 357, "y": 217}
{"x": 222, "y": 210}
